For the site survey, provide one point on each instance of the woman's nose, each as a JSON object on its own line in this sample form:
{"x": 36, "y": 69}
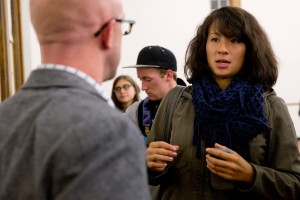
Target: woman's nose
{"x": 223, "y": 48}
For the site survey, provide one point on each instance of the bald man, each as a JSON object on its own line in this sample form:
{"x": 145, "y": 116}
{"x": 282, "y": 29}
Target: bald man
{"x": 60, "y": 138}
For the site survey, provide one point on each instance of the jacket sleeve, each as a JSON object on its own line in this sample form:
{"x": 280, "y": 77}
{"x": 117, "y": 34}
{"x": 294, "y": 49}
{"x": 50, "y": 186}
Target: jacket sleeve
{"x": 157, "y": 133}
{"x": 280, "y": 177}
{"x": 100, "y": 161}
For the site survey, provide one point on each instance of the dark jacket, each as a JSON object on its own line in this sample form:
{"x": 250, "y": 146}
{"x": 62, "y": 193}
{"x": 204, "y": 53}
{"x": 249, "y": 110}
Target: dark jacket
{"x": 276, "y": 159}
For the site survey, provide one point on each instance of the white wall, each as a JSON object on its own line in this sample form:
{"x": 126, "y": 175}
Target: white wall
{"x": 31, "y": 49}
{"x": 280, "y": 20}
{"x": 168, "y": 23}
{"x": 172, "y": 24}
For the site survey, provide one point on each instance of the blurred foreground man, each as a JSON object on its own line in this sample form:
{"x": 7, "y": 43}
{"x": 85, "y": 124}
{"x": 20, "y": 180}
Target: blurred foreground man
{"x": 59, "y": 137}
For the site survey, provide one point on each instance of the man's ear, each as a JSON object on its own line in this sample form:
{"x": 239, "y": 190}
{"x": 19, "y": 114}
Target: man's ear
{"x": 169, "y": 74}
{"x": 108, "y": 35}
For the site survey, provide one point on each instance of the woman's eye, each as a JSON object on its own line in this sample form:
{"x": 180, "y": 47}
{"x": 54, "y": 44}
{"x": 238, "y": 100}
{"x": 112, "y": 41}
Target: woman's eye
{"x": 235, "y": 41}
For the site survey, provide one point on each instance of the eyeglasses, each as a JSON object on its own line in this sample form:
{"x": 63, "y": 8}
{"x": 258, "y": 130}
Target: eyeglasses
{"x": 119, "y": 88}
{"x": 126, "y": 26}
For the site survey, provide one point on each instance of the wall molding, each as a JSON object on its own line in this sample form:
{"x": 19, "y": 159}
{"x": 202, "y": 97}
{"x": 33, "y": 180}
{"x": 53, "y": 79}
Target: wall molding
{"x": 11, "y": 66}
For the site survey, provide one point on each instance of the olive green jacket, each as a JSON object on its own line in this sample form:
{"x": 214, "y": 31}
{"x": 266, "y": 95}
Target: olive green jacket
{"x": 275, "y": 156}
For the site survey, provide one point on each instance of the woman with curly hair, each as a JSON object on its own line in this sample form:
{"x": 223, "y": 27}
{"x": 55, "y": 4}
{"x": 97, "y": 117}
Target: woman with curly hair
{"x": 232, "y": 137}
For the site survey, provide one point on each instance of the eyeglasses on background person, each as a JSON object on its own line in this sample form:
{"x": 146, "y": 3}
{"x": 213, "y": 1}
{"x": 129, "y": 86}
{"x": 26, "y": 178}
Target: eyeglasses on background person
{"x": 130, "y": 94}
{"x": 119, "y": 88}
{"x": 126, "y": 26}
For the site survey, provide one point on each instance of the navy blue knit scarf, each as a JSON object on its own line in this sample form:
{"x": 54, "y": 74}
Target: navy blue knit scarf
{"x": 231, "y": 117}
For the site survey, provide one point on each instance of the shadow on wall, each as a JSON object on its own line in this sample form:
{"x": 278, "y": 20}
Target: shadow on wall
{"x": 299, "y": 143}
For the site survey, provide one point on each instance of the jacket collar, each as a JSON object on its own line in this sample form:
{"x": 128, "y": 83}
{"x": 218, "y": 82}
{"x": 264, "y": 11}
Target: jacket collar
{"x": 49, "y": 78}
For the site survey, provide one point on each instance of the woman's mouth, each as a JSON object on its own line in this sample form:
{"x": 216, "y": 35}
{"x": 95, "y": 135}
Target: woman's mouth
{"x": 222, "y": 63}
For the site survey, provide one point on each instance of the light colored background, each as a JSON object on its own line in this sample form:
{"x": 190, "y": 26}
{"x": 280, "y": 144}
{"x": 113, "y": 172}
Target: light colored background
{"x": 172, "y": 24}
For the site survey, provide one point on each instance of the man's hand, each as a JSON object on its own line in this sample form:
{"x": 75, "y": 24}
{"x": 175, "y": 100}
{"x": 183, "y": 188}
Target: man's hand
{"x": 159, "y": 154}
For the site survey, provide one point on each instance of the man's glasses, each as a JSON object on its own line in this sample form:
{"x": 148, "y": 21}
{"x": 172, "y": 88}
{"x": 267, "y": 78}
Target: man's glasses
{"x": 119, "y": 88}
{"x": 126, "y": 26}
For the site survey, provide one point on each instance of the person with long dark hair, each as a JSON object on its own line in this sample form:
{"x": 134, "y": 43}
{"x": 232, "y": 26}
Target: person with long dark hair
{"x": 125, "y": 92}
{"x": 232, "y": 137}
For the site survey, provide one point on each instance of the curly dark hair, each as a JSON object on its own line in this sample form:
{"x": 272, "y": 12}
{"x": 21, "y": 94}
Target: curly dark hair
{"x": 132, "y": 82}
{"x": 260, "y": 65}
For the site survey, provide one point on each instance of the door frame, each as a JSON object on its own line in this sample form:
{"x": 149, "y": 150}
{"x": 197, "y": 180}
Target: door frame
{"x": 11, "y": 55}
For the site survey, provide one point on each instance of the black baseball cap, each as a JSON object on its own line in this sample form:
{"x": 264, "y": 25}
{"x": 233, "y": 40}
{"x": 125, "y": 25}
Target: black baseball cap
{"x": 155, "y": 57}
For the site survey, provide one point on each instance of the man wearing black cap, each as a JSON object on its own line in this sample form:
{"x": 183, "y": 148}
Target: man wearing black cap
{"x": 156, "y": 68}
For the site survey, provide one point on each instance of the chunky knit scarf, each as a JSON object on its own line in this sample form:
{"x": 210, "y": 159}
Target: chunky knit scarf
{"x": 231, "y": 117}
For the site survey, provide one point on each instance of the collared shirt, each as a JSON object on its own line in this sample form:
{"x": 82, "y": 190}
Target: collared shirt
{"x": 81, "y": 75}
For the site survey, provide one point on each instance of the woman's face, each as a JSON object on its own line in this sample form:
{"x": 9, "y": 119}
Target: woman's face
{"x": 124, "y": 91}
{"x": 225, "y": 56}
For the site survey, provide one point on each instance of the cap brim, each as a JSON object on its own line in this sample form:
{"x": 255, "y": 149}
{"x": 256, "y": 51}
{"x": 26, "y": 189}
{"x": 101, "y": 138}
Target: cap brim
{"x": 142, "y": 66}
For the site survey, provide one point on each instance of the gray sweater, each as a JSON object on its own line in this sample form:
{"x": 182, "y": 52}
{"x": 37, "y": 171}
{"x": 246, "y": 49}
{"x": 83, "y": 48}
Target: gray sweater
{"x": 60, "y": 140}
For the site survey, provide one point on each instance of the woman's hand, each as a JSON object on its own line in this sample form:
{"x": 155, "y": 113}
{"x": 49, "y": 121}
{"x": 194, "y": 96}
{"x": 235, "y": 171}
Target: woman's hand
{"x": 230, "y": 166}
